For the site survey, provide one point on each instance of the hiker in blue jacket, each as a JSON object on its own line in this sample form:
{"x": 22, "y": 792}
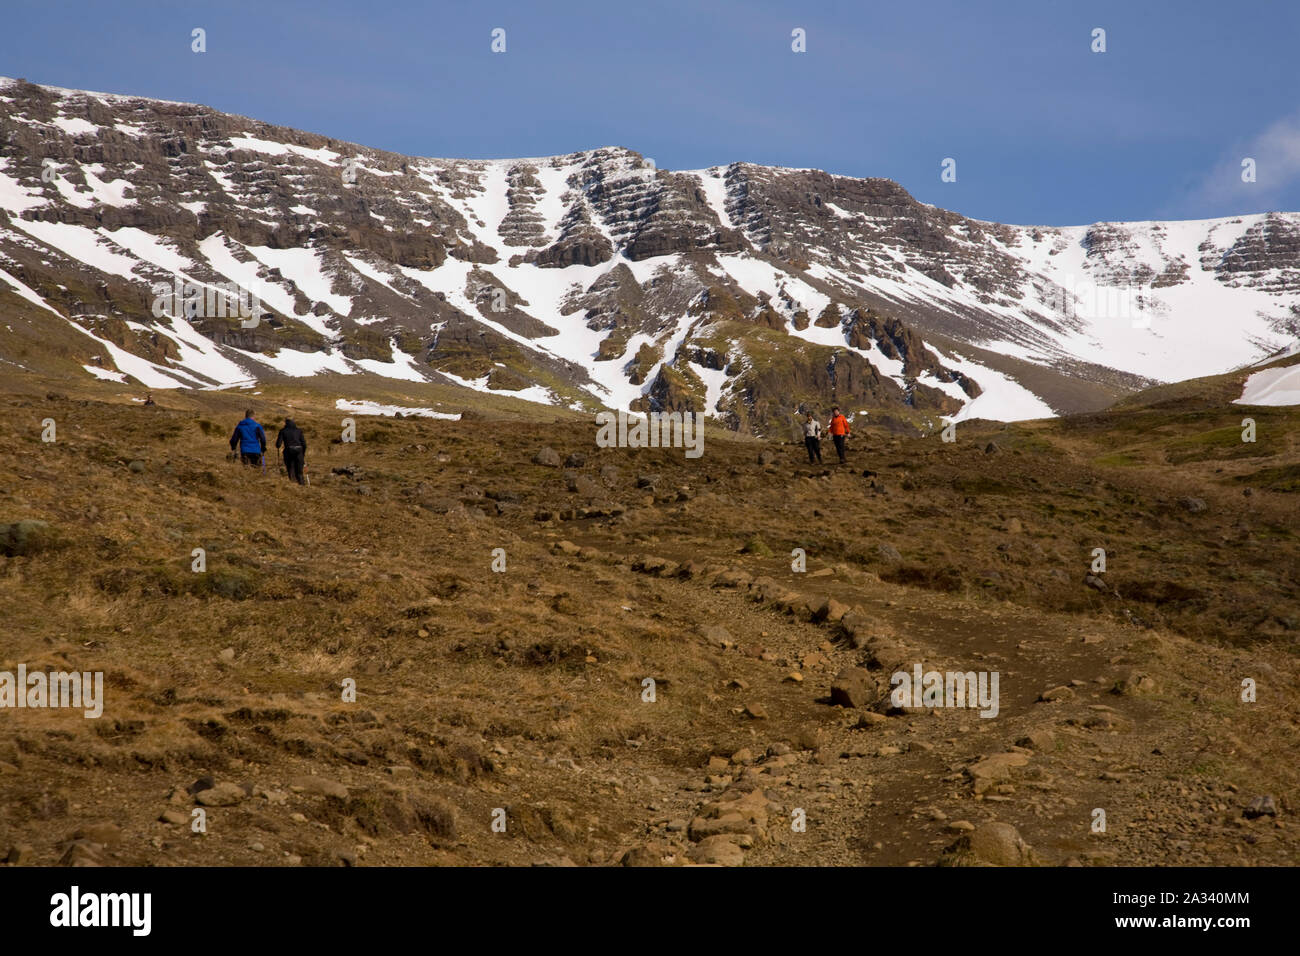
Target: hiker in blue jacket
{"x": 251, "y": 440}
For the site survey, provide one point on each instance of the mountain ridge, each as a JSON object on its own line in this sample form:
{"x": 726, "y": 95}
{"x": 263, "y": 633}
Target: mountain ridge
{"x": 594, "y": 279}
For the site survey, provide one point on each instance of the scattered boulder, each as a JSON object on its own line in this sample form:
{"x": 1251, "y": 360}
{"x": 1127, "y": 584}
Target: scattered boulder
{"x": 25, "y": 538}
{"x": 575, "y": 460}
{"x": 1039, "y": 740}
{"x": 1262, "y": 806}
{"x": 644, "y": 855}
{"x": 318, "y": 786}
{"x": 105, "y": 834}
{"x": 1057, "y": 693}
{"x": 1192, "y": 505}
{"x": 547, "y": 457}
{"x": 20, "y": 854}
{"x": 718, "y": 850}
{"x": 889, "y": 553}
{"x": 830, "y": 610}
{"x": 1137, "y": 684}
{"x": 582, "y": 485}
{"x": 719, "y": 636}
{"x": 992, "y": 844}
{"x": 82, "y": 853}
{"x": 853, "y": 687}
{"x": 994, "y": 769}
{"x": 224, "y": 794}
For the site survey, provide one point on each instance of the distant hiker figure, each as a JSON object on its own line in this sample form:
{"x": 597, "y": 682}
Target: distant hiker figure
{"x": 250, "y": 439}
{"x": 294, "y": 443}
{"x": 839, "y": 429}
{"x": 148, "y": 398}
{"x": 812, "y": 439}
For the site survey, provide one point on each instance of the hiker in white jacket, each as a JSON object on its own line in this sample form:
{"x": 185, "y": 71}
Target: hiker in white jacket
{"x": 812, "y": 439}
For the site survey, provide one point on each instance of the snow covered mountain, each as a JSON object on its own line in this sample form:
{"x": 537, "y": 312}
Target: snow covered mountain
{"x": 591, "y": 279}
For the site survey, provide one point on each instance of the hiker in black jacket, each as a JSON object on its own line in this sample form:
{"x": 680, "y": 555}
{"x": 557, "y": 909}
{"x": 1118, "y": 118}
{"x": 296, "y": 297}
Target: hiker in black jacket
{"x": 294, "y": 443}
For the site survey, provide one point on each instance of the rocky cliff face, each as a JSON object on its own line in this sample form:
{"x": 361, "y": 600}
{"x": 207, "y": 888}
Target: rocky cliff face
{"x": 594, "y": 279}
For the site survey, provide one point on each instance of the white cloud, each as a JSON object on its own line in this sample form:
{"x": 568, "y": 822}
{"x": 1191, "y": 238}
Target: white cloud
{"x": 1276, "y": 152}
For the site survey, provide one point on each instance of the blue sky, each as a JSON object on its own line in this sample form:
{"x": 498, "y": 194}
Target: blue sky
{"x": 1042, "y": 129}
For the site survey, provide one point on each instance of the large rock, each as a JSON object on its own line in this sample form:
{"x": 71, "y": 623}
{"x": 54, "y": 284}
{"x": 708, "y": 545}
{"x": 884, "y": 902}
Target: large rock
{"x": 1137, "y": 684}
{"x": 547, "y": 456}
{"x": 992, "y": 844}
{"x": 25, "y": 537}
{"x": 720, "y": 850}
{"x": 994, "y": 769}
{"x": 644, "y": 855}
{"x": 853, "y": 687}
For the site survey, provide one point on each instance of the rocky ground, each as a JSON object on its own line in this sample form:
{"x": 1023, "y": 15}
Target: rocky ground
{"x": 518, "y": 696}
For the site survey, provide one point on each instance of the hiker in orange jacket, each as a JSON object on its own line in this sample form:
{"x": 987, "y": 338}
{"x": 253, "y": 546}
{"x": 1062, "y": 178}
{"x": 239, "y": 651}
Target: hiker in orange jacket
{"x": 839, "y": 429}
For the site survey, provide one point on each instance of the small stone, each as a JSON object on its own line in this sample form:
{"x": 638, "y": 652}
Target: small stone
{"x": 756, "y": 711}
{"x": 1039, "y": 740}
{"x": 719, "y": 636}
{"x": 20, "y": 854}
{"x": 994, "y": 769}
{"x": 1057, "y": 693}
{"x": 1262, "y": 806}
{"x": 174, "y": 817}
{"x": 1137, "y": 684}
{"x": 320, "y": 786}
{"x": 224, "y": 794}
{"x": 81, "y": 853}
{"x": 1096, "y": 582}
{"x": 105, "y": 834}
{"x": 719, "y": 850}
